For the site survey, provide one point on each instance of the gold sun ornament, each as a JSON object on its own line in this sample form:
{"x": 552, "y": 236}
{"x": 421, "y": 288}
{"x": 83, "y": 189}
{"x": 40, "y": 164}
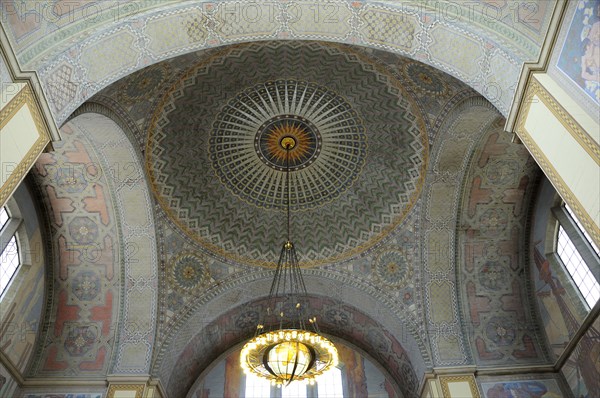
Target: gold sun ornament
{"x": 289, "y": 131}
{"x": 189, "y": 272}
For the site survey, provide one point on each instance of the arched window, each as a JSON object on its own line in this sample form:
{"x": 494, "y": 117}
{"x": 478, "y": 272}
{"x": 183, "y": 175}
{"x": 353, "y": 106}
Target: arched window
{"x": 9, "y": 249}
{"x": 578, "y": 253}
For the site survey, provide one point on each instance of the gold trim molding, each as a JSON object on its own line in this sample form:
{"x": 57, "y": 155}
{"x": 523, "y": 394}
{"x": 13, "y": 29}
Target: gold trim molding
{"x": 137, "y": 388}
{"x": 24, "y": 97}
{"x": 445, "y": 380}
{"x": 578, "y": 133}
{"x": 587, "y": 143}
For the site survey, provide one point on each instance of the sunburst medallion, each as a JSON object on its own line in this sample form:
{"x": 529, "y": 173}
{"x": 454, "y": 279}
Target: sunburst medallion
{"x": 273, "y": 135}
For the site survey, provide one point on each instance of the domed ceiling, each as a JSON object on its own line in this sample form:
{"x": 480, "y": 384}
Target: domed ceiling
{"x": 216, "y": 162}
{"x": 388, "y": 154}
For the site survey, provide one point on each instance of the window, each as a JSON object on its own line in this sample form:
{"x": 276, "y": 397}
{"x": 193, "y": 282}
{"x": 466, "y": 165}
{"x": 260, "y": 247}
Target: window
{"x": 294, "y": 390}
{"x": 579, "y": 254}
{"x": 583, "y": 231}
{"x": 3, "y": 217}
{"x": 328, "y": 385}
{"x": 257, "y": 387}
{"x": 9, "y": 250}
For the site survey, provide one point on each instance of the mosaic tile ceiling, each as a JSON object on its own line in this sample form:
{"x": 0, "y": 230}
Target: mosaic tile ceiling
{"x": 326, "y": 137}
{"x": 216, "y": 161}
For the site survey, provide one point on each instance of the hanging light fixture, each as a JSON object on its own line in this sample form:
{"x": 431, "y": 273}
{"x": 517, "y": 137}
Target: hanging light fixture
{"x": 285, "y": 348}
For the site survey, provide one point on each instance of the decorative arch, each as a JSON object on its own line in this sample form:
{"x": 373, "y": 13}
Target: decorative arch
{"x": 361, "y": 375}
{"x": 104, "y": 253}
{"x": 460, "y": 130}
{"x": 495, "y": 299}
{"x": 119, "y": 40}
{"x": 204, "y": 339}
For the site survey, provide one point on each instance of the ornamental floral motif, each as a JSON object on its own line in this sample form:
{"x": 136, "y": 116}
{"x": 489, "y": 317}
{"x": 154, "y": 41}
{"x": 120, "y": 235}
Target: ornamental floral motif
{"x": 83, "y": 230}
{"x": 426, "y": 79}
{"x": 501, "y": 331}
{"x": 337, "y": 317}
{"x": 71, "y": 179}
{"x": 493, "y": 221}
{"x": 392, "y": 268}
{"x": 502, "y": 171}
{"x": 189, "y": 272}
{"x": 86, "y": 285}
{"x": 247, "y": 319}
{"x": 143, "y": 84}
{"x": 80, "y": 340}
{"x": 493, "y": 275}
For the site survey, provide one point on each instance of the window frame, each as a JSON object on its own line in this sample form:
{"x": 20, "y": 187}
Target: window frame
{"x": 580, "y": 242}
{"x": 9, "y": 230}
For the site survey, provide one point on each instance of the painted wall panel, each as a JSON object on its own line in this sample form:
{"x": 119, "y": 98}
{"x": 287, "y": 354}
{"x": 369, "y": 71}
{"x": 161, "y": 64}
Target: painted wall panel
{"x": 23, "y": 137}
{"x": 565, "y": 151}
{"x": 582, "y": 369}
{"x": 577, "y": 168}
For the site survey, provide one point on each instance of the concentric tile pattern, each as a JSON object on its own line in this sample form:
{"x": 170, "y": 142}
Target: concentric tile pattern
{"x": 207, "y": 172}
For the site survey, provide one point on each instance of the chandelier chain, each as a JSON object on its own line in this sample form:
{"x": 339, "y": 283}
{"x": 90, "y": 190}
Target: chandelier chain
{"x": 291, "y": 352}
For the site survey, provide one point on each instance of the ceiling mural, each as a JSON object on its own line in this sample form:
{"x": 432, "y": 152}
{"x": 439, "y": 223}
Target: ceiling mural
{"x": 495, "y": 297}
{"x": 86, "y": 285}
{"x": 340, "y": 320}
{"x": 104, "y": 258}
{"x": 232, "y": 125}
{"x": 460, "y": 131}
{"x": 163, "y": 207}
{"x": 391, "y": 267}
{"x": 325, "y": 132}
{"x": 383, "y": 284}
{"x": 375, "y": 215}
{"x": 216, "y": 165}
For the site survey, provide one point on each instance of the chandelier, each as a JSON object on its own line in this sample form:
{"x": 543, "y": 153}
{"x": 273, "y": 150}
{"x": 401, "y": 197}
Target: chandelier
{"x": 285, "y": 347}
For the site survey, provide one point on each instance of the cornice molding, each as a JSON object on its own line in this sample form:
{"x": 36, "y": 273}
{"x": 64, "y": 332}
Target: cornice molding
{"x": 535, "y": 90}
{"x": 32, "y": 78}
{"x": 541, "y": 65}
{"x": 12, "y": 369}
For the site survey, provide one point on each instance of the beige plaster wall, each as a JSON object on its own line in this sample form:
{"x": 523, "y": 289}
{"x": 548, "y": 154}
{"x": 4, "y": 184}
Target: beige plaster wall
{"x": 564, "y": 141}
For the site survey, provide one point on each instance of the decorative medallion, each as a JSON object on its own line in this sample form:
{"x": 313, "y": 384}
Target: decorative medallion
{"x": 493, "y": 275}
{"x": 143, "y": 84}
{"x": 86, "y": 285}
{"x": 501, "y": 331}
{"x": 328, "y": 152}
{"x": 247, "y": 320}
{"x": 279, "y": 132}
{"x": 426, "y": 79}
{"x": 493, "y": 221}
{"x": 215, "y": 156}
{"x": 337, "y": 317}
{"x": 71, "y": 179}
{"x": 188, "y": 272}
{"x": 392, "y": 268}
{"x": 502, "y": 172}
{"x": 83, "y": 230}
{"x": 80, "y": 339}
